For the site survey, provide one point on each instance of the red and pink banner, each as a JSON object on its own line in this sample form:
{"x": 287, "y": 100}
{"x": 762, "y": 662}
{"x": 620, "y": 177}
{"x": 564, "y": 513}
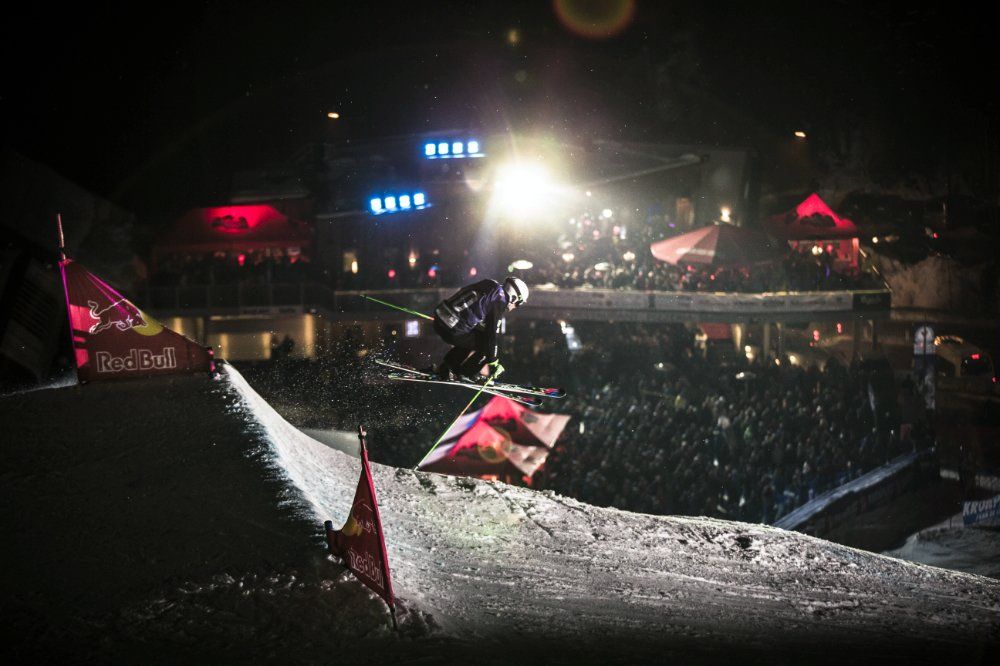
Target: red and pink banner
{"x": 360, "y": 542}
{"x": 503, "y": 440}
{"x": 114, "y": 339}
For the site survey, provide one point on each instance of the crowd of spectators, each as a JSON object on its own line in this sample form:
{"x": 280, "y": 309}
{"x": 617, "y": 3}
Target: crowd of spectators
{"x": 691, "y": 437}
{"x": 597, "y": 252}
{"x": 592, "y": 251}
{"x": 270, "y": 266}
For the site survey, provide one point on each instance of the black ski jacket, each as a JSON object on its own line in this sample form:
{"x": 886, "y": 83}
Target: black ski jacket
{"x": 478, "y": 307}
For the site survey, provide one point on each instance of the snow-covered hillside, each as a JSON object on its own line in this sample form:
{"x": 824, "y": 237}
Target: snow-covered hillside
{"x": 183, "y": 516}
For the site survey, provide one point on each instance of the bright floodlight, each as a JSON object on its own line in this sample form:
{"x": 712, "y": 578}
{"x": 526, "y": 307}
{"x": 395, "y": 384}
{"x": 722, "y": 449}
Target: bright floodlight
{"x": 473, "y": 147}
{"x": 430, "y": 149}
{"x": 376, "y": 205}
{"x": 457, "y": 148}
{"x": 404, "y": 201}
{"x": 419, "y": 199}
{"x": 800, "y": 134}
{"x": 390, "y": 203}
{"x": 523, "y": 188}
{"x": 442, "y": 148}
{"x": 520, "y": 265}
{"x": 607, "y": 213}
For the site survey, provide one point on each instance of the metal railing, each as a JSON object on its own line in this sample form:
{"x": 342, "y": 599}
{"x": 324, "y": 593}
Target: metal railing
{"x": 546, "y": 303}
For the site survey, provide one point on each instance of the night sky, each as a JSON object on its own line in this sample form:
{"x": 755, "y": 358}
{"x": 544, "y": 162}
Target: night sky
{"x": 155, "y": 107}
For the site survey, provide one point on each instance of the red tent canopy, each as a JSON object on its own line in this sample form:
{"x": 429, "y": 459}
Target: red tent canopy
{"x": 811, "y": 220}
{"x": 717, "y": 245}
{"x": 250, "y": 227}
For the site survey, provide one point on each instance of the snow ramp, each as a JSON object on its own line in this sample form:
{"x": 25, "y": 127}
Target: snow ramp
{"x": 185, "y": 515}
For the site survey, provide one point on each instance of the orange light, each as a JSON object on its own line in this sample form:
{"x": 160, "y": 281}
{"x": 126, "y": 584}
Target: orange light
{"x": 333, "y": 115}
{"x": 800, "y": 134}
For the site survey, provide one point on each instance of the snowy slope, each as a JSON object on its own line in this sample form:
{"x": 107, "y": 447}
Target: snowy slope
{"x": 186, "y": 514}
{"x": 950, "y": 544}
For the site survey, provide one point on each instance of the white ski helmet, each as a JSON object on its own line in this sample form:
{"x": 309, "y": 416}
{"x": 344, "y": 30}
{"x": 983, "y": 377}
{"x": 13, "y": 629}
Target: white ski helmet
{"x": 516, "y": 290}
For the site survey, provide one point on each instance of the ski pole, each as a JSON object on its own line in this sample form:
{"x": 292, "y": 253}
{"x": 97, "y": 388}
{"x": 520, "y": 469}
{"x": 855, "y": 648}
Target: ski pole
{"x": 460, "y": 415}
{"x": 398, "y": 307}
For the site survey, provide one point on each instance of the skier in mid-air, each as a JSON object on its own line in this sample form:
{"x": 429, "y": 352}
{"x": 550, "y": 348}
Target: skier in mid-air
{"x": 469, "y": 321}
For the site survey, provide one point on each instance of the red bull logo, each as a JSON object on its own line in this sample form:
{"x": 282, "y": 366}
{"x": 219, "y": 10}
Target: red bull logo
{"x": 359, "y": 521}
{"x": 136, "y": 360}
{"x": 365, "y": 565}
{"x": 121, "y": 314}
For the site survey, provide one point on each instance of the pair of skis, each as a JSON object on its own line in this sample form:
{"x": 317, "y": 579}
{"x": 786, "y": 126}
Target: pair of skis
{"x": 530, "y": 396}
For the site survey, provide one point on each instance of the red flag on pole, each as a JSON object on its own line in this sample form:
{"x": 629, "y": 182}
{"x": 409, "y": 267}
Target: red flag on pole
{"x": 360, "y": 542}
{"x": 114, "y": 339}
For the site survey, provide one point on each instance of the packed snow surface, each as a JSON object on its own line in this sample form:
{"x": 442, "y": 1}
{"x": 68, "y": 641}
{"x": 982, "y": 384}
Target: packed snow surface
{"x": 952, "y": 545}
{"x": 184, "y": 517}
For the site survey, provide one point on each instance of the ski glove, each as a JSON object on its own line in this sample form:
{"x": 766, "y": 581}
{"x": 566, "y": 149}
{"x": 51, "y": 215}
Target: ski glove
{"x": 497, "y": 368}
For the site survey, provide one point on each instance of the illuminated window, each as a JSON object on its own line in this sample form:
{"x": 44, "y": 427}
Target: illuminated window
{"x": 473, "y": 147}
{"x": 350, "y": 261}
{"x": 419, "y": 199}
{"x": 404, "y": 201}
{"x": 430, "y": 150}
{"x": 442, "y": 148}
{"x": 376, "y": 205}
{"x": 457, "y": 148}
{"x": 390, "y": 203}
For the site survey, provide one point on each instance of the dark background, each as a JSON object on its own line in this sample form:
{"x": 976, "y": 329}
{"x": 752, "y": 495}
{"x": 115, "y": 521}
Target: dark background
{"x": 154, "y": 106}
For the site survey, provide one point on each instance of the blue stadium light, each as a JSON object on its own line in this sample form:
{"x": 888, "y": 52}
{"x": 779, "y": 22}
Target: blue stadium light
{"x": 447, "y": 149}
{"x": 394, "y": 203}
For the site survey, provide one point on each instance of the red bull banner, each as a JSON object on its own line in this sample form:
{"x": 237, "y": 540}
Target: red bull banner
{"x": 114, "y": 339}
{"x": 360, "y": 542}
{"x": 503, "y": 440}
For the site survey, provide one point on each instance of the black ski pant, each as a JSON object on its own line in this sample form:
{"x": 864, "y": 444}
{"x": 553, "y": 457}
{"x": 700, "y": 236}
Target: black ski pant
{"x": 464, "y": 358}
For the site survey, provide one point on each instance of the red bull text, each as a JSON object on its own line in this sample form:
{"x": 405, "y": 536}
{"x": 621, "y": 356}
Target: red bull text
{"x": 137, "y": 360}
{"x": 367, "y": 566}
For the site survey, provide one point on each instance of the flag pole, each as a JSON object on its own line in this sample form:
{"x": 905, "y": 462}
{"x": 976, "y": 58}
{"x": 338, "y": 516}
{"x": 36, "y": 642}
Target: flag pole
{"x": 398, "y": 307}
{"x": 62, "y": 240}
{"x": 460, "y": 415}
